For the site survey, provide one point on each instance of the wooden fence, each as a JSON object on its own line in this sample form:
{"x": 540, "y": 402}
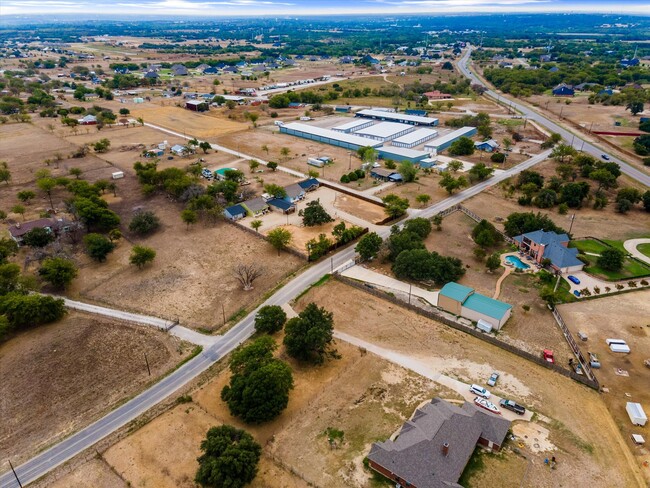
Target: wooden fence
{"x": 572, "y": 343}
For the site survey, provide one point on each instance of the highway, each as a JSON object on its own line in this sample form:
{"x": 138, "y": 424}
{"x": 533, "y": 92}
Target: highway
{"x": 87, "y": 437}
{"x": 570, "y": 137}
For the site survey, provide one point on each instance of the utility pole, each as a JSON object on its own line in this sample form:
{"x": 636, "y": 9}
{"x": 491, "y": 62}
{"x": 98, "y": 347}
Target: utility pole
{"x": 147, "y": 361}
{"x": 573, "y": 217}
{"x": 410, "y": 293}
{"x": 14, "y": 472}
{"x": 223, "y": 311}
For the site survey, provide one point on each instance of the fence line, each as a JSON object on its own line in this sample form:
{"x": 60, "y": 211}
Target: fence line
{"x": 572, "y": 343}
{"x": 438, "y": 317}
{"x": 290, "y": 250}
{"x": 460, "y": 208}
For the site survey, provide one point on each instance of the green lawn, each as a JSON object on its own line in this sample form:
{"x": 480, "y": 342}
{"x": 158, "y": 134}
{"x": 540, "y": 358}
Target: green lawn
{"x": 564, "y": 292}
{"x": 589, "y": 245}
{"x": 644, "y": 249}
{"x": 631, "y": 269}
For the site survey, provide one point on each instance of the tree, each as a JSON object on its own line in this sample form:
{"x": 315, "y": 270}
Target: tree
{"x": 275, "y": 190}
{"x": 8, "y": 248}
{"x": 563, "y": 151}
{"x": 646, "y": 201}
{"x": 611, "y": 259}
{"x": 5, "y": 174}
{"x": 309, "y": 336}
{"x": 26, "y": 195}
{"x": 369, "y": 245}
{"x": 604, "y": 178}
{"x": 230, "y": 458}
{"x": 463, "y": 146}
{"x": 141, "y": 255}
{"x": 19, "y": 209}
{"x": 205, "y": 146}
{"x": 395, "y": 206}
{"x": 189, "y": 217}
{"x": 144, "y": 223}
{"x": 124, "y": 111}
{"x": 455, "y": 166}
{"x": 76, "y": 172}
{"x": 493, "y": 262}
{"x": 522, "y": 223}
{"x": 641, "y": 145}
{"x": 246, "y": 274}
{"x": 420, "y": 226}
{"x": 485, "y": 131}
{"x": 451, "y": 184}
{"x": 19, "y": 310}
{"x": 574, "y": 193}
{"x": 623, "y": 206}
{"x": 265, "y": 148}
{"x": 437, "y": 221}
{"x": 635, "y": 106}
{"x": 256, "y": 224}
{"x": 98, "y": 246}
{"x": 630, "y": 194}
{"x": 270, "y": 319}
{"x": 421, "y": 265}
{"x": 314, "y": 214}
{"x": 279, "y": 238}
{"x": 46, "y": 185}
{"x": 318, "y": 247}
{"x": 94, "y": 213}
{"x": 498, "y": 157}
{"x": 272, "y": 165}
{"x": 507, "y": 143}
{"x": 485, "y": 234}
{"x": 408, "y": 171}
{"x": 566, "y": 171}
{"x": 546, "y": 198}
{"x": 284, "y": 152}
{"x": 38, "y": 237}
{"x": 102, "y": 145}
{"x": 480, "y": 172}
{"x": 423, "y": 199}
{"x": 59, "y": 272}
{"x": 253, "y": 164}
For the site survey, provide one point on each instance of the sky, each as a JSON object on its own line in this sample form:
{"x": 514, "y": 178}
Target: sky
{"x": 311, "y": 7}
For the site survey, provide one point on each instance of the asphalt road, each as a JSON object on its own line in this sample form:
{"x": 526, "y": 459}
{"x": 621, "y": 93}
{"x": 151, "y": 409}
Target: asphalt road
{"x": 570, "y": 137}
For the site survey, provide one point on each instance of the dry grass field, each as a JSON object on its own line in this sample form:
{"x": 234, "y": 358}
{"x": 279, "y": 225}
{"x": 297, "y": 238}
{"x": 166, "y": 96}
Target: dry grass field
{"x": 59, "y": 377}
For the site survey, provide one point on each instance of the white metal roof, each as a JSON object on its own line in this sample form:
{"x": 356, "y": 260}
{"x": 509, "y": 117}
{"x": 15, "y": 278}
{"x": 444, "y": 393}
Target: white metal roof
{"x": 416, "y": 136}
{"x": 332, "y": 134}
{"x": 395, "y": 116}
{"x": 450, "y": 137}
{"x": 384, "y": 129}
{"x": 351, "y": 125}
{"x": 402, "y": 151}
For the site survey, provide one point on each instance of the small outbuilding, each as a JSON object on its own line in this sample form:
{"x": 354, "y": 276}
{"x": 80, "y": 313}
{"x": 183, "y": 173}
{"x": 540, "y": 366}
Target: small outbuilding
{"x": 310, "y": 184}
{"x": 197, "y": 105}
{"x": 385, "y": 175}
{"x": 280, "y": 205}
{"x": 636, "y": 413}
{"x": 487, "y": 146}
{"x": 563, "y": 90}
{"x": 465, "y": 302}
{"x": 235, "y": 212}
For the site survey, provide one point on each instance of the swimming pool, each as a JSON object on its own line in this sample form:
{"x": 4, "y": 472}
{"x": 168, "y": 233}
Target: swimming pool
{"x": 516, "y": 262}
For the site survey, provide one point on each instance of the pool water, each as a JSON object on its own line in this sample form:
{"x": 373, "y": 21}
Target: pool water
{"x": 516, "y": 262}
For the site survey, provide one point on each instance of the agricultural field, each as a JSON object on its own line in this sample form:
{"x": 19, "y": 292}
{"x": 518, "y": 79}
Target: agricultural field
{"x": 86, "y": 366}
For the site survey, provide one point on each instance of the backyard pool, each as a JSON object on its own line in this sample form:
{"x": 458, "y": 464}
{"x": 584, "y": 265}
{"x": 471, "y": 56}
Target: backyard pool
{"x": 516, "y": 262}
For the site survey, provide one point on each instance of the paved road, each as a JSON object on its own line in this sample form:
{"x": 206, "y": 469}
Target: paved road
{"x": 87, "y": 437}
{"x": 570, "y": 137}
{"x": 631, "y": 246}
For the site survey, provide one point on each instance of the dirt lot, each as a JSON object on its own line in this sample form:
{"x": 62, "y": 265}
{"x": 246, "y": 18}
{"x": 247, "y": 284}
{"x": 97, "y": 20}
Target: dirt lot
{"x": 86, "y": 365}
{"x": 624, "y": 316}
{"x": 599, "y": 457}
{"x": 364, "y": 210}
{"x": 191, "y": 278}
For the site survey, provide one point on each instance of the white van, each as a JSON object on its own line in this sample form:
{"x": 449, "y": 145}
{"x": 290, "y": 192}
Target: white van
{"x": 279, "y": 123}
{"x": 480, "y": 391}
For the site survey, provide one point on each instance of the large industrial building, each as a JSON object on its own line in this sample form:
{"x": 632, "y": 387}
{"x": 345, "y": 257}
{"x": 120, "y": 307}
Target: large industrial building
{"x": 385, "y": 131}
{"x": 327, "y": 136}
{"x": 401, "y": 154}
{"x": 443, "y": 142}
{"x": 395, "y": 117}
{"x": 415, "y": 138}
{"x": 353, "y": 125}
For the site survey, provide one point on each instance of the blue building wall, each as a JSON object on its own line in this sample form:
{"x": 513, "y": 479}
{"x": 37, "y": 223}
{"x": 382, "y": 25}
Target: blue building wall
{"x": 324, "y": 140}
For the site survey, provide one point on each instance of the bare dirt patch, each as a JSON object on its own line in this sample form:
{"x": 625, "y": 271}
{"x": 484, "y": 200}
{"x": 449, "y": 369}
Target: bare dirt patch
{"x": 94, "y": 474}
{"x": 91, "y": 363}
{"x": 355, "y": 206}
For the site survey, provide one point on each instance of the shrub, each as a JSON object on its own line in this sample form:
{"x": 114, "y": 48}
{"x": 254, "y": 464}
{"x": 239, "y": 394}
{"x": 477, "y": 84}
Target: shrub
{"x": 144, "y": 223}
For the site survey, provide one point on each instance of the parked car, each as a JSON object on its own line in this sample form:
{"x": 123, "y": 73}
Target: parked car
{"x": 493, "y": 379}
{"x": 548, "y": 356}
{"x": 605, "y": 157}
{"x": 593, "y": 361}
{"x": 576, "y": 293}
{"x": 515, "y": 407}
{"x": 573, "y": 279}
{"x": 480, "y": 391}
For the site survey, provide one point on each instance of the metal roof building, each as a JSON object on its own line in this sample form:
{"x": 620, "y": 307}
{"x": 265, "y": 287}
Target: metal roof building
{"x": 327, "y": 136}
{"x": 401, "y": 154}
{"x": 395, "y": 117}
{"x": 353, "y": 125}
{"x": 443, "y": 142}
{"x": 464, "y": 301}
{"x": 415, "y": 138}
{"x": 385, "y": 131}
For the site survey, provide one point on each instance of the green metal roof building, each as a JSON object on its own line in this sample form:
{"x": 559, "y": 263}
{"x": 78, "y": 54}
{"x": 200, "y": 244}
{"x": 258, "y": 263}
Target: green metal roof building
{"x": 464, "y": 301}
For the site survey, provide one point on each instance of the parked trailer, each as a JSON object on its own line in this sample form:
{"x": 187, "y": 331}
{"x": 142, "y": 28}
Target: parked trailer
{"x": 624, "y": 348}
{"x": 118, "y": 174}
{"x": 636, "y": 413}
{"x": 315, "y": 162}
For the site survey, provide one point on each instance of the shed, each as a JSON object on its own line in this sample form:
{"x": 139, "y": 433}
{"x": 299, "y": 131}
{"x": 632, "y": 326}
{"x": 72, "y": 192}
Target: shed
{"x": 464, "y": 301}
{"x": 488, "y": 146}
{"x": 309, "y": 184}
{"x": 197, "y": 105}
{"x": 178, "y": 150}
{"x": 636, "y": 413}
{"x": 235, "y": 212}
{"x": 385, "y": 174}
{"x": 88, "y": 120}
{"x": 281, "y": 205}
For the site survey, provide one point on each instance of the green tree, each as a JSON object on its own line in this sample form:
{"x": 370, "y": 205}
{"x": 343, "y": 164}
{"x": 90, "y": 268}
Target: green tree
{"x": 574, "y": 193}
{"x": 205, "y": 146}
{"x": 318, "y": 247}
{"x": 272, "y": 165}
{"x": 141, "y": 255}
{"x": 635, "y": 106}
{"x": 76, "y": 172}
{"x": 94, "y": 212}
{"x": 270, "y": 319}
{"x": 423, "y": 199}
{"x": 493, "y": 262}
{"x": 451, "y": 184}
{"x": 8, "y": 248}
{"x": 480, "y": 172}
{"x": 253, "y": 164}
{"x": 401, "y": 241}
{"x": 5, "y": 174}
{"x": 455, "y": 166}
{"x": 230, "y": 458}
{"x": 102, "y": 145}
{"x": 437, "y": 221}
{"x": 314, "y": 214}
{"x": 19, "y": 209}
{"x": 144, "y": 223}
{"x": 522, "y": 223}
{"x": 507, "y": 143}
{"x": 189, "y": 217}
{"x": 38, "y": 237}
{"x": 59, "y": 272}
{"x": 279, "y": 238}
{"x": 275, "y": 190}
{"x": 463, "y": 146}
{"x": 408, "y": 171}
{"x": 369, "y": 245}
{"x": 498, "y": 157}
{"x": 395, "y": 206}
{"x": 284, "y": 152}
{"x": 26, "y": 195}
{"x": 421, "y": 265}
{"x": 646, "y": 201}
{"x": 256, "y": 224}
{"x": 420, "y": 226}
{"x": 630, "y": 194}
{"x": 623, "y": 206}
{"x": 9, "y": 278}
{"x": 563, "y": 152}
{"x": 98, "y": 246}
{"x": 309, "y": 336}
{"x": 485, "y": 234}
{"x": 604, "y": 178}
{"x": 611, "y": 259}
{"x": 21, "y": 311}
{"x": 47, "y": 185}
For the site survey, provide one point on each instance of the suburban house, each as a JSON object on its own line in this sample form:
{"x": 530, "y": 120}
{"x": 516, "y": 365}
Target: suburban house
{"x": 488, "y": 146}
{"x": 310, "y": 184}
{"x": 54, "y": 226}
{"x": 235, "y": 212}
{"x": 437, "y": 95}
{"x": 385, "y": 175}
{"x": 434, "y": 446}
{"x": 465, "y": 302}
{"x": 256, "y": 206}
{"x": 542, "y": 245}
{"x": 197, "y": 105}
{"x": 88, "y": 120}
{"x": 294, "y": 193}
{"x": 563, "y": 90}
{"x": 151, "y": 75}
{"x": 179, "y": 70}
{"x": 211, "y": 70}
{"x": 280, "y": 205}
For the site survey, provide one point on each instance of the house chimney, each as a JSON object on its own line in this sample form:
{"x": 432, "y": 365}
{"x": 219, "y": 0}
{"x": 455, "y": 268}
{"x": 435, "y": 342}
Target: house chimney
{"x": 445, "y": 449}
